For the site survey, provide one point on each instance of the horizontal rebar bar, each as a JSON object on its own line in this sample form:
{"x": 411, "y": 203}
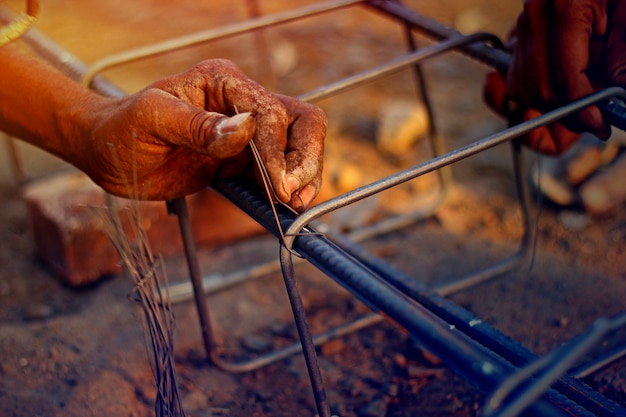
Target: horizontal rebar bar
{"x": 370, "y": 271}
{"x": 448, "y": 158}
{"x": 455, "y": 346}
{"x": 395, "y": 65}
{"x": 495, "y": 57}
{"x": 211, "y": 35}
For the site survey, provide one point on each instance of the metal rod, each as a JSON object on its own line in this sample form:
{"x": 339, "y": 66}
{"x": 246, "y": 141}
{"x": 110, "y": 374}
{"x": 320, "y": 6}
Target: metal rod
{"x": 509, "y": 134}
{"x": 596, "y": 364}
{"x": 494, "y": 57}
{"x": 212, "y": 34}
{"x": 394, "y": 65}
{"x": 253, "y": 202}
{"x": 179, "y": 208}
{"x": 295, "y": 348}
{"x": 445, "y": 174}
{"x": 468, "y": 358}
{"x": 448, "y": 158}
{"x": 489, "y": 55}
{"x": 550, "y": 368}
{"x": 266, "y": 359}
{"x": 467, "y": 322}
{"x": 304, "y": 332}
{"x": 525, "y": 243}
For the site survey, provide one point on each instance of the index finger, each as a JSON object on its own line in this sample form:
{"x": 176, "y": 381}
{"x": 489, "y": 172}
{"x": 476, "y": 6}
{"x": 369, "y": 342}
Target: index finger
{"x": 569, "y": 58}
{"x": 304, "y": 153}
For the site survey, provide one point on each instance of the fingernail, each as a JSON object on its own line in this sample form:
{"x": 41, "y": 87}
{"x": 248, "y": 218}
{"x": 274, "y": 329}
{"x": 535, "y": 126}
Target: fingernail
{"x": 307, "y": 194}
{"x": 292, "y": 184}
{"x": 231, "y": 124}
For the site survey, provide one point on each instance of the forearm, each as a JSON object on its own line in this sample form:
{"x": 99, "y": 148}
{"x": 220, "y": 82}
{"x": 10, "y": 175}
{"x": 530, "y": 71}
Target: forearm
{"x": 42, "y": 106}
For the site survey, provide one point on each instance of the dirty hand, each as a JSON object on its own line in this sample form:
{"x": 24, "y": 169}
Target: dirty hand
{"x": 562, "y": 51}
{"x": 183, "y": 132}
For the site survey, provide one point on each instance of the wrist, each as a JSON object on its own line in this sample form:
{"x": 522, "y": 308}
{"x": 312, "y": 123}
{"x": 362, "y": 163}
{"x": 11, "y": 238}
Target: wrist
{"x": 44, "y": 107}
{"x": 75, "y": 121}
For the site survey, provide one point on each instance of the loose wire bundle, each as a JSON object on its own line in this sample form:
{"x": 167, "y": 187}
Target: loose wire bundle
{"x": 151, "y": 292}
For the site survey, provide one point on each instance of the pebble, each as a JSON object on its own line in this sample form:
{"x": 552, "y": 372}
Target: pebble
{"x": 195, "y": 401}
{"x": 607, "y": 189}
{"x": 583, "y": 164}
{"x": 573, "y": 220}
{"x": 375, "y": 408}
{"x": 431, "y": 357}
{"x": 350, "y": 177}
{"x": 557, "y": 191}
{"x": 332, "y": 347}
{"x": 256, "y": 344}
{"x": 400, "y": 360}
{"x": 283, "y": 330}
{"x": 402, "y": 124}
{"x": 391, "y": 390}
{"x": 415, "y": 371}
{"x": 471, "y": 20}
{"x": 38, "y": 312}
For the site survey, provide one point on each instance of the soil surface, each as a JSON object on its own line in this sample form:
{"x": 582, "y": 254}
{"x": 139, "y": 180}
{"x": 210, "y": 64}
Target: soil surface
{"x": 81, "y": 352}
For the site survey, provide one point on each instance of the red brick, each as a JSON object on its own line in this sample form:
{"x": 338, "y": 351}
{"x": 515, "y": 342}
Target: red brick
{"x": 69, "y": 235}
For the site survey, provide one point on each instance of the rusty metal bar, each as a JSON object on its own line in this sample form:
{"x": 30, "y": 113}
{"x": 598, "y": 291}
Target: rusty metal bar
{"x": 212, "y": 34}
{"x": 465, "y": 355}
{"x": 614, "y": 112}
{"x": 546, "y": 370}
{"x": 363, "y": 192}
{"x": 457, "y": 344}
{"x": 395, "y": 65}
{"x": 452, "y": 157}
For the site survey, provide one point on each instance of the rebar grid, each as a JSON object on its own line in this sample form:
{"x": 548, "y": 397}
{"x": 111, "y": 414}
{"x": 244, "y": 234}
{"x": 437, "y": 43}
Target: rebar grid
{"x": 469, "y": 346}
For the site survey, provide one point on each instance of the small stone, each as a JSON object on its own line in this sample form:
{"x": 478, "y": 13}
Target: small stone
{"x": 195, "y": 401}
{"x": 349, "y": 177}
{"x": 607, "y": 189}
{"x": 583, "y": 164}
{"x": 256, "y": 344}
{"x": 562, "y": 322}
{"x": 38, "y": 312}
{"x": 402, "y": 124}
{"x": 283, "y": 330}
{"x": 471, "y": 20}
{"x": 284, "y": 57}
{"x": 375, "y": 408}
{"x": 400, "y": 360}
{"x": 559, "y": 192}
{"x": 332, "y": 347}
{"x": 391, "y": 390}
{"x": 431, "y": 357}
{"x": 573, "y": 220}
{"x": 421, "y": 372}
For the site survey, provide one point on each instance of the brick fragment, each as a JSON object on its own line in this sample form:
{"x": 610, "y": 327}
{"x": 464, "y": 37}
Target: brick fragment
{"x": 69, "y": 235}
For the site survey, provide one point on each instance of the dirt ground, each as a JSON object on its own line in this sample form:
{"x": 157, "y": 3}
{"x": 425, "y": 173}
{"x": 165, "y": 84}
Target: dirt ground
{"x": 80, "y": 351}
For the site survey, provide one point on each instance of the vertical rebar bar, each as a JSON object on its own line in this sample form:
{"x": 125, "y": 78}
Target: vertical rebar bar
{"x": 179, "y": 208}
{"x": 304, "y": 331}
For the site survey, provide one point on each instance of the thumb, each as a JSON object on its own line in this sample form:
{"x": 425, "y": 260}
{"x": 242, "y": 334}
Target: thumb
{"x": 213, "y": 134}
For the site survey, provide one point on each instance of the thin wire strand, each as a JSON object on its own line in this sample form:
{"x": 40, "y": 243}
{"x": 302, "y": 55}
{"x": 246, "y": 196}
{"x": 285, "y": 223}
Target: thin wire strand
{"x": 267, "y": 184}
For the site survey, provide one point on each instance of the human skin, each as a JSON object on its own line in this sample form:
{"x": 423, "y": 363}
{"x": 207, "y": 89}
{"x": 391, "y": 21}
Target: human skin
{"x": 562, "y": 50}
{"x": 174, "y": 137}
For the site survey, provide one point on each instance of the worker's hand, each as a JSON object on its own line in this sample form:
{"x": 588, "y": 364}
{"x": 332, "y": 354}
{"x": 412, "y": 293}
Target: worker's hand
{"x": 562, "y": 51}
{"x": 182, "y": 133}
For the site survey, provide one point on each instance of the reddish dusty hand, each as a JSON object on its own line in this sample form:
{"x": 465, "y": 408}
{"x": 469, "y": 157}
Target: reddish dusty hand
{"x": 563, "y": 50}
{"x": 184, "y": 132}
